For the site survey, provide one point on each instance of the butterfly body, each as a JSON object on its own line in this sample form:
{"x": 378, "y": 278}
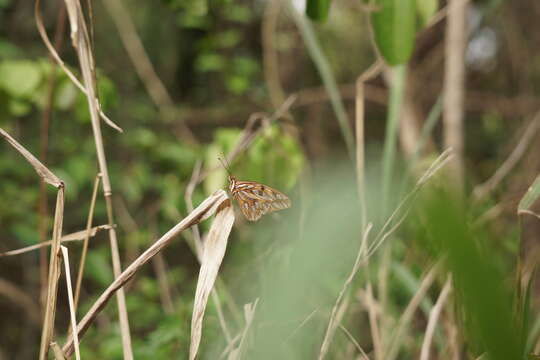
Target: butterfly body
{"x": 256, "y": 199}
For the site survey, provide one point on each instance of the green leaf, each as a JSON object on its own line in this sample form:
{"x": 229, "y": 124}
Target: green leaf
{"x": 426, "y": 9}
{"x": 19, "y": 78}
{"x": 317, "y": 10}
{"x": 394, "y": 26}
{"x": 530, "y": 197}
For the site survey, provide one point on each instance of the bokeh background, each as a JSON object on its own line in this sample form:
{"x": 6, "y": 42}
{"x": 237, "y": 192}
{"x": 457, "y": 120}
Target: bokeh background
{"x": 186, "y": 80}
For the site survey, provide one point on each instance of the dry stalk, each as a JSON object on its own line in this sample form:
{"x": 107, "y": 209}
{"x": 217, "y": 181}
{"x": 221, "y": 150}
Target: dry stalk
{"x": 72, "y": 308}
{"x": 434, "y": 318}
{"x": 76, "y": 236}
{"x": 89, "y": 220}
{"x": 81, "y": 43}
{"x": 206, "y": 209}
{"x": 454, "y": 85}
{"x": 370, "y": 73}
{"x": 54, "y": 262}
{"x": 54, "y": 273}
{"x": 332, "y": 324}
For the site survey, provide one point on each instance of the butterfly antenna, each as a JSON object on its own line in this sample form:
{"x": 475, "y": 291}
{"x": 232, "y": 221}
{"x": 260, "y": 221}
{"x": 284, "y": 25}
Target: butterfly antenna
{"x": 224, "y": 165}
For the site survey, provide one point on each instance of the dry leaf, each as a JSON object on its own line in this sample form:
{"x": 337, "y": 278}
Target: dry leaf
{"x": 213, "y": 252}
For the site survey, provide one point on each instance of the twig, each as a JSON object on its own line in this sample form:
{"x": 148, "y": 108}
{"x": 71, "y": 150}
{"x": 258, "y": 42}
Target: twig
{"x": 207, "y": 208}
{"x": 434, "y": 317}
{"x": 332, "y": 324}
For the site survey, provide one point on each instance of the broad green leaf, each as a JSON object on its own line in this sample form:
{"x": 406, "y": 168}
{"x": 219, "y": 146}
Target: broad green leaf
{"x": 19, "y": 78}
{"x": 530, "y": 197}
{"x": 394, "y": 26}
{"x": 318, "y": 10}
{"x": 426, "y": 9}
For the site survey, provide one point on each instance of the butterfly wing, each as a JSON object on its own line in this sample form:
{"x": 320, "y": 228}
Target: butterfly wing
{"x": 256, "y": 199}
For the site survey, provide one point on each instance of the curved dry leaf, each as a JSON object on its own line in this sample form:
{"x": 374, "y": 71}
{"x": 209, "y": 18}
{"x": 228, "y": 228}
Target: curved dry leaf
{"x": 213, "y": 252}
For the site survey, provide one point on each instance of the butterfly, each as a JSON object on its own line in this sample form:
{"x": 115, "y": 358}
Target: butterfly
{"x": 256, "y": 199}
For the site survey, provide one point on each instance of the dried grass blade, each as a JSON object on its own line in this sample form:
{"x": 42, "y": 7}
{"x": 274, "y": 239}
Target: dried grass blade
{"x": 54, "y": 274}
{"x": 206, "y": 209}
{"x": 70, "y": 300}
{"x": 58, "y": 354}
{"x": 213, "y": 253}
{"x": 76, "y": 236}
{"x": 41, "y": 169}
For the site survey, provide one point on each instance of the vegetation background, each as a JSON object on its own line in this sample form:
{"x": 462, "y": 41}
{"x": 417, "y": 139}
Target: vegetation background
{"x": 285, "y": 91}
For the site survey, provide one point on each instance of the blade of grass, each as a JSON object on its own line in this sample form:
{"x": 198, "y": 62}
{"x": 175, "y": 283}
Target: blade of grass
{"x": 249, "y": 314}
{"x": 318, "y": 57}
